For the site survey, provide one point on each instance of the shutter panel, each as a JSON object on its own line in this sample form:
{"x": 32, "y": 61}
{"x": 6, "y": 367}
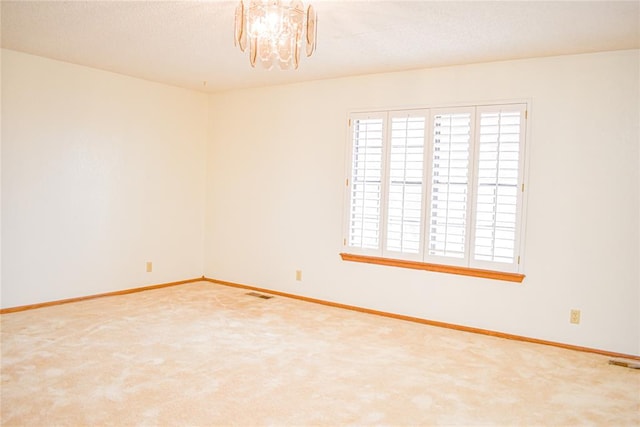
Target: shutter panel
{"x": 501, "y": 133}
{"x": 406, "y": 175}
{"x": 366, "y": 182}
{"x": 450, "y": 156}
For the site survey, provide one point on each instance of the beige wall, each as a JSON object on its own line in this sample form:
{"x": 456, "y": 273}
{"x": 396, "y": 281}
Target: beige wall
{"x": 276, "y": 182}
{"x": 100, "y": 173}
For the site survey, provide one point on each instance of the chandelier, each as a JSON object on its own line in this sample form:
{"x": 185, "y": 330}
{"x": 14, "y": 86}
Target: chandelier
{"x": 275, "y": 32}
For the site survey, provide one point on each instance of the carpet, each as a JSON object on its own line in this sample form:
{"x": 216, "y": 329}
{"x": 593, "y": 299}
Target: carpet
{"x": 204, "y": 354}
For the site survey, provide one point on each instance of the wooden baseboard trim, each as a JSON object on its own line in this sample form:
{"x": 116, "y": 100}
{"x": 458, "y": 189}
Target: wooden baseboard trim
{"x": 88, "y": 297}
{"x": 330, "y": 304}
{"x": 428, "y": 322}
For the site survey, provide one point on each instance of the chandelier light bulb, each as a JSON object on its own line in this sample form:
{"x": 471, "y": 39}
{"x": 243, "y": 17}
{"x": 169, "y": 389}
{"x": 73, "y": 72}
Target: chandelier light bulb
{"x": 275, "y": 31}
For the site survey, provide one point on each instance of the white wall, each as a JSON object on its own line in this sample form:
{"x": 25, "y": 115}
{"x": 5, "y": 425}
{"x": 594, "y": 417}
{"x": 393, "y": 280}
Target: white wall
{"x": 100, "y": 173}
{"x": 275, "y": 186}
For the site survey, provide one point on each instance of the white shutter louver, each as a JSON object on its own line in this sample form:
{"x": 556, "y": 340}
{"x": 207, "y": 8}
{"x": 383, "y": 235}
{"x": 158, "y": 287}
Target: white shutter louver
{"x": 406, "y": 172}
{"x": 498, "y": 185}
{"x": 449, "y": 184}
{"x": 366, "y": 183}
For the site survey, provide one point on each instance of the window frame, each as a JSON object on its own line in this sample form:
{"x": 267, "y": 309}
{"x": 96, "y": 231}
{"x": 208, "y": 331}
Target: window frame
{"x": 423, "y": 260}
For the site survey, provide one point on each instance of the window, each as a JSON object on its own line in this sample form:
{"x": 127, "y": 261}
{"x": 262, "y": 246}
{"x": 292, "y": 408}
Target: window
{"x": 438, "y": 186}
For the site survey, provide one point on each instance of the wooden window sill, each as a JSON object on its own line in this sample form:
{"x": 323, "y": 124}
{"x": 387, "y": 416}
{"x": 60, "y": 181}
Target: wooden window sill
{"x": 464, "y": 271}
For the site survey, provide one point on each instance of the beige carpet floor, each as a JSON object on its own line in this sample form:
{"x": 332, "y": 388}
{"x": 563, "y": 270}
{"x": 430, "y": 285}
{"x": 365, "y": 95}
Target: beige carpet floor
{"x": 205, "y": 354}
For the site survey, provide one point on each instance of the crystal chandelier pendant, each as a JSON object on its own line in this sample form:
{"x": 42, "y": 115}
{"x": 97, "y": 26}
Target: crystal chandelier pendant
{"x": 275, "y": 32}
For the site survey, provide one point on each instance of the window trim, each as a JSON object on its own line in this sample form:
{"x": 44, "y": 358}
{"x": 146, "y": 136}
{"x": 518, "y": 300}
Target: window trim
{"x": 377, "y": 256}
{"x": 439, "y": 268}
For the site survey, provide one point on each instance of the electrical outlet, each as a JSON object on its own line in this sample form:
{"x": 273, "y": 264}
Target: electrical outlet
{"x": 149, "y": 266}
{"x": 299, "y": 275}
{"x": 575, "y": 316}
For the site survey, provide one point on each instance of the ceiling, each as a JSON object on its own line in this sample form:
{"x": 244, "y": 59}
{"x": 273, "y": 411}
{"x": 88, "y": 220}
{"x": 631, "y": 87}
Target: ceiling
{"x": 190, "y": 43}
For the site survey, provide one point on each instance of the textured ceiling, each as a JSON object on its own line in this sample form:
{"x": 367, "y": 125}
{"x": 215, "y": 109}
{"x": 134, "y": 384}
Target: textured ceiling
{"x": 188, "y": 43}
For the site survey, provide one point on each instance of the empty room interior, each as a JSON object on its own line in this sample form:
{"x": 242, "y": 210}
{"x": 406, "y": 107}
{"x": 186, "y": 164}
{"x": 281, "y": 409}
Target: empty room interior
{"x": 320, "y": 213}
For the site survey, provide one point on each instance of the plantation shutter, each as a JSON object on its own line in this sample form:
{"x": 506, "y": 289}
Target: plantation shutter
{"x": 450, "y": 175}
{"x": 366, "y": 181}
{"x": 440, "y": 186}
{"x": 406, "y": 186}
{"x": 500, "y": 151}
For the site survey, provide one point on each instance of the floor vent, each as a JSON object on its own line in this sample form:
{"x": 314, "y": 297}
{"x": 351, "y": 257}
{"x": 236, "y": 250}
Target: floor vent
{"x": 257, "y": 295}
{"x": 633, "y": 364}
